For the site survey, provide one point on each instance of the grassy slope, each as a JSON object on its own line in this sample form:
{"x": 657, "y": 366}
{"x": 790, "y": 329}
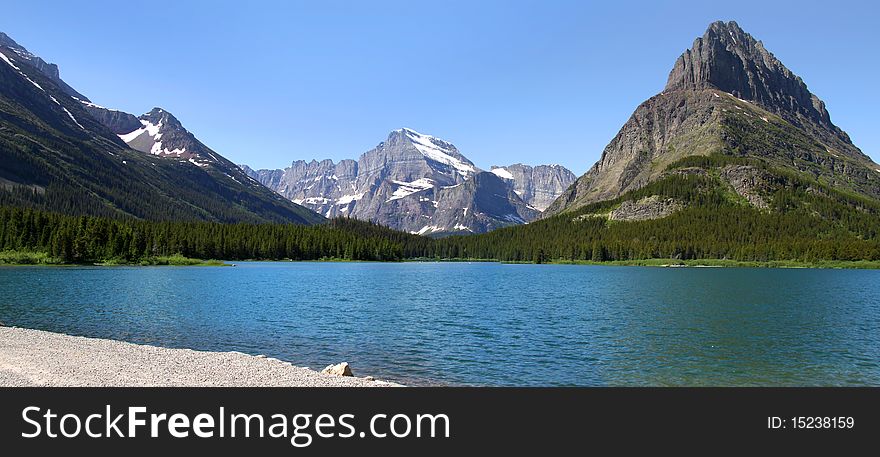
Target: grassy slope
{"x": 31, "y": 258}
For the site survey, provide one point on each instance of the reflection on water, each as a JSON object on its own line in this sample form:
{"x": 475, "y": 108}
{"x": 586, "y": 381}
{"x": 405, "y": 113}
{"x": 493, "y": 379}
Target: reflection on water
{"x": 481, "y": 323}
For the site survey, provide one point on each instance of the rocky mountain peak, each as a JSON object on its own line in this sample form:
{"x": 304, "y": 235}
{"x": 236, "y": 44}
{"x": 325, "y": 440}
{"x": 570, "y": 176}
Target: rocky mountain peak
{"x": 50, "y": 70}
{"x": 161, "y": 134}
{"x": 421, "y": 184}
{"x": 157, "y": 116}
{"x": 729, "y": 59}
{"x": 432, "y": 148}
{"x": 727, "y": 94}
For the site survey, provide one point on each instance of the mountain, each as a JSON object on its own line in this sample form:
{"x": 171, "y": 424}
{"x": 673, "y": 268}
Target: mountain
{"x": 49, "y": 70}
{"x": 417, "y": 183}
{"x": 481, "y": 204}
{"x": 735, "y": 160}
{"x": 730, "y": 100}
{"x": 58, "y": 153}
{"x": 538, "y": 186}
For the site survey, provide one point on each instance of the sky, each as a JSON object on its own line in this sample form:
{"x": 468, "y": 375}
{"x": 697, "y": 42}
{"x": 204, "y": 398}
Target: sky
{"x": 268, "y": 82}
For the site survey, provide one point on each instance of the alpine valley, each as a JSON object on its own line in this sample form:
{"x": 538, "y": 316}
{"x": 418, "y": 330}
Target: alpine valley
{"x": 734, "y": 161}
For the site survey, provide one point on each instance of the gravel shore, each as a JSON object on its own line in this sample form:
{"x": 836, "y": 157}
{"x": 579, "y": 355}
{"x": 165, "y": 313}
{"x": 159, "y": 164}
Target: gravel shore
{"x": 37, "y": 358}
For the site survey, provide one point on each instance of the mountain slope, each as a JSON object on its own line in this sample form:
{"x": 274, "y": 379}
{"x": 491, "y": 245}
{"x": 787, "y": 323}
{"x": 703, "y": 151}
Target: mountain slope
{"x": 49, "y": 70}
{"x": 54, "y": 155}
{"x": 411, "y": 182}
{"x": 727, "y": 95}
{"x": 757, "y": 174}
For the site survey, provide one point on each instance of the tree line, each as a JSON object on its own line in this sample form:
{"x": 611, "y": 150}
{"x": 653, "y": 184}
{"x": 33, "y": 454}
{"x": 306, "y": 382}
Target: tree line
{"x": 85, "y": 239}
{"x": 806, "y": 222}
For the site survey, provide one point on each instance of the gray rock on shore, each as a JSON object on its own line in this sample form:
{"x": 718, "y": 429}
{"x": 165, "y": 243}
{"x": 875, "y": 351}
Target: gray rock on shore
{"x": 340, "y": 369}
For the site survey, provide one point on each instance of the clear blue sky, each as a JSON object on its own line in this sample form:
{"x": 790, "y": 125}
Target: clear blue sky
{"x": 265, "y": 83}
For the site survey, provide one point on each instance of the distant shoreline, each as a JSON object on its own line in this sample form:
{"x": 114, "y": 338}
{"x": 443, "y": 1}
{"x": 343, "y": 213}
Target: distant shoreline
{"x": 20, "y": 258}
{"x": 37, "y": 358}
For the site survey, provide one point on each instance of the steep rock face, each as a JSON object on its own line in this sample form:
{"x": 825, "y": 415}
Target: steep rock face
{"x": 731, "y": 60}
{"x": 481, "y": 204}
{"x": 324, "y": 186}
{"x": 726, "y": 95}
{"x": 118, "y": 122}
{"x": 538, "y": 186}
{"x": 665, "y": 128}
{"x": 749, "y": 182}
{"x": 407, "y": 156}
{"x": 647, "y": 208}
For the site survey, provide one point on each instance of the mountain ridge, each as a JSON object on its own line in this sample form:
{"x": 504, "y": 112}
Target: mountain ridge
{"x": 694, "y": 115}
{"x": 57, "y": 156}
{"x": 408, "y": 182}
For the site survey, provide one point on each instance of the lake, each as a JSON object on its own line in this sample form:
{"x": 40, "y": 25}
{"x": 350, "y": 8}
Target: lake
{"x": 482, "y": 323}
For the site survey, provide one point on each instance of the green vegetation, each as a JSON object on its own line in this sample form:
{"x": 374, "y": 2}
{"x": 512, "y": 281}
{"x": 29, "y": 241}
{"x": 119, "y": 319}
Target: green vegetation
{"x": 33, "y": 236}
{"x": 10, "y": 257}
{"x": 49, "y": 163}
{"x": 859, "y": 264}
{"x": 42, "y": 258}
{"x": 171, "y": 260}
{"x": 808, "y": 223}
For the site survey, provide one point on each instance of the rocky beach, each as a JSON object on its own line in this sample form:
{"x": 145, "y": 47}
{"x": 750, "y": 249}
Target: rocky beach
{"x": 35, "y": 358}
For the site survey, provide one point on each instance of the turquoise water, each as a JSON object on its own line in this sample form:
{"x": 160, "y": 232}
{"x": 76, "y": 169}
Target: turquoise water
{"x": 483, "y": 323}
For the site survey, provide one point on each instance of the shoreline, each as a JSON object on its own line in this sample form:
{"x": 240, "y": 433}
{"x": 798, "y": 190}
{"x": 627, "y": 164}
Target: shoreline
{"x": 653, "y": 263}
{"x": 40, "y": 260}
{"x": 37, "y": 358}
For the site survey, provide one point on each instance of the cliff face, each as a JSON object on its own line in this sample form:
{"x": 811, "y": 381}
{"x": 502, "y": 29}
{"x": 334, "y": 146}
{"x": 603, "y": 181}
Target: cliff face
{"x": 117, "y": 121}
{"x": 662, "y": 130}
{"x": 725, "y": 95}
{"x": 729, "y": 59}
{"x": 538, "y": 186}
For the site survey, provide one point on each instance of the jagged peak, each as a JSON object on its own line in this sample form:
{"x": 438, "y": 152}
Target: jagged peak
{"x": 417, "y": 137}
{"x": 731, "y": 60}
{"x": 160, "y": 117}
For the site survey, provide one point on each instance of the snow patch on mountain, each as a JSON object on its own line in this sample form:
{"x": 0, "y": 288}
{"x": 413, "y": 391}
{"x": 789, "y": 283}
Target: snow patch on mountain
{"x": 437, "y": 150}
{"x": 9, "y": 61}
{"x": 311, "y": 201}
{"x": 69, "y": 114}
{"x": 405, "y": 189}
{"x": 93, "y": 105}
{"x": 346, "y": 199}
{"x": 54, "y": 100}
{"x": 427, "y": 229}
{"x": 502, "y": 173}
{"x": 152, "y": 131}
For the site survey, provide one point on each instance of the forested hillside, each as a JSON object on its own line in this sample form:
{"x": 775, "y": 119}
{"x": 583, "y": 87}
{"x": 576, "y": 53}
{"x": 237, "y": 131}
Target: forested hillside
{"x": 85, "y": 239}
{"x": 803, "y": 220}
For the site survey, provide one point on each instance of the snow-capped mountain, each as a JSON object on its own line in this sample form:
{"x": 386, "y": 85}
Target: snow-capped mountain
{"x": 160, "y": 133}
{"x": 412, "y": 182}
